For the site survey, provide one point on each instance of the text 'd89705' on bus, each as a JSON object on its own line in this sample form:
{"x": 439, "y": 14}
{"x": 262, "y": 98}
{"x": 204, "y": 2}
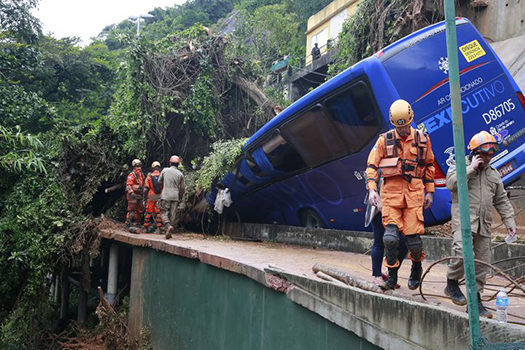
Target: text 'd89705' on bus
{"x": 306, "y": 166}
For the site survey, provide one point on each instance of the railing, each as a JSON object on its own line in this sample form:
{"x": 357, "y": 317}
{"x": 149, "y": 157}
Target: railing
{"x": 330, "y": 44}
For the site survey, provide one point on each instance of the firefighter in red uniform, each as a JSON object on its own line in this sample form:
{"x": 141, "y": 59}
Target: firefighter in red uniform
{"x": 405, "y": 159}
{"x": 134, "y": 185}
{"x": 152, "y": 191}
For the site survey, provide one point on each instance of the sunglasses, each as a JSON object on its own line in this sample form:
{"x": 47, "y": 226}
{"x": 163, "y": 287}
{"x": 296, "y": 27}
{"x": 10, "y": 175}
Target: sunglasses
{"x": 488, "y": 148}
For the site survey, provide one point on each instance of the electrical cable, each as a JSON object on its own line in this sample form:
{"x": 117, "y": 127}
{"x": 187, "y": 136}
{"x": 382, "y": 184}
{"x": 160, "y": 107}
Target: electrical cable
{"x": 515, "y": 283}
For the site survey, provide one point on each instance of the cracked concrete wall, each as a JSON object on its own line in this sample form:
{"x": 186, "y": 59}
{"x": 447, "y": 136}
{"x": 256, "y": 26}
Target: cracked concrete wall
{"x": 500, "y": 20}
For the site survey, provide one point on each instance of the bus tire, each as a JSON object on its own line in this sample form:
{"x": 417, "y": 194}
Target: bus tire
{"x": 309, "y": 218}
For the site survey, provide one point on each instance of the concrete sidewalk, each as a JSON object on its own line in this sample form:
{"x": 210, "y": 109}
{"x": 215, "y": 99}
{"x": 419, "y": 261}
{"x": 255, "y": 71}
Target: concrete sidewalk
{"x": 362, "y": 312}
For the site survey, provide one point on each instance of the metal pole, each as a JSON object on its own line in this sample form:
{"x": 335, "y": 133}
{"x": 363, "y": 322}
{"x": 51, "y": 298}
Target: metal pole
{"x": 138, "y": 26}
{"x": 459, "y": 146}
{"x": 112, "y": 273}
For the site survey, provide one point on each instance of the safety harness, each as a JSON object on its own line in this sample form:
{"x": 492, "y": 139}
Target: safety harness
{"x": 394, "y": 165}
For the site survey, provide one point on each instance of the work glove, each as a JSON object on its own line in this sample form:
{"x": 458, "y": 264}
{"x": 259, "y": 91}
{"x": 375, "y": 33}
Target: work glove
{"x": 429, "y": 199}
{"x": 374, "y": 199}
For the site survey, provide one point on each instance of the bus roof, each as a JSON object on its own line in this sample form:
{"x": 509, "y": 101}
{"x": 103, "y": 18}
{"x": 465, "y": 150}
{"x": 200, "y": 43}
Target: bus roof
{"x": 414, "y": 38}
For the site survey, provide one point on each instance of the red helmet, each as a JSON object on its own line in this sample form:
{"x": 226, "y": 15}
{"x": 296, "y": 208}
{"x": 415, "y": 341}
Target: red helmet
{"x": 174, "y": 159}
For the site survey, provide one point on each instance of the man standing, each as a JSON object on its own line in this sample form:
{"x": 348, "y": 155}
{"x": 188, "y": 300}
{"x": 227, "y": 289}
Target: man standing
{"x": 485, "y": 190}
{"x": 134, "y": 183}
{"x": 316, "y": 52}
{"x": 152, "y": 191}
{"x": 405, "y": 158}
{"x": 172, "y": 181}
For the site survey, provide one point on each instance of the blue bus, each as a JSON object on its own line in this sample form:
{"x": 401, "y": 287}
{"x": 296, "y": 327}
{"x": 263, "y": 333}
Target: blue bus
{"x": 305, "y": 167}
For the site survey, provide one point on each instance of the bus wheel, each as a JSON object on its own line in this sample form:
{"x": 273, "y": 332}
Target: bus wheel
{"x": 309, "y": 218}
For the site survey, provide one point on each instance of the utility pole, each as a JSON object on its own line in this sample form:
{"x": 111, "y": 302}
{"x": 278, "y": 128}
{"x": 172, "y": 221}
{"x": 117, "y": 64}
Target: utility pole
{"x": 138, "y": 18}
{"x": 459, "y": 147}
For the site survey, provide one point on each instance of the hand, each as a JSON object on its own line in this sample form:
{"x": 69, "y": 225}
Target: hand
{"x": 373, "y": 198}
{"x": 429, "y": 198}
{"x": 476, "y": 162}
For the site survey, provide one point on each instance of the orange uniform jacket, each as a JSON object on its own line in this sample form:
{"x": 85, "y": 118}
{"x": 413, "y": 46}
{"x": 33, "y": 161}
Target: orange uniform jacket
{"x": 397, "y": 192}
{"x": 149, "y": 185}
{"x": 136, "y": 177}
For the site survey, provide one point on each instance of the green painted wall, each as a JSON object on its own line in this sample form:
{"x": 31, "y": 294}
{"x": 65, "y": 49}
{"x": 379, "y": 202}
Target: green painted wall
{"x": 187, "y": 304}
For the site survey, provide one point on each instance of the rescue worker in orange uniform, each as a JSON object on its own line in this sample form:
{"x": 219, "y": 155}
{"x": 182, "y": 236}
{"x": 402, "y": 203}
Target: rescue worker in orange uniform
{"x": 134, "y": 185}
{"x": 404, "y": 159}
{"x": 152, "y": 191}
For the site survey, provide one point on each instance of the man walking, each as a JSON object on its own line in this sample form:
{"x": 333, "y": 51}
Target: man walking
{"x": 485, "y": 190}
{"x": 134, "y": 183}
{"x": 404, "y": 157}
{"x": 152, "y": 191}
{"x": 173, "y": 187}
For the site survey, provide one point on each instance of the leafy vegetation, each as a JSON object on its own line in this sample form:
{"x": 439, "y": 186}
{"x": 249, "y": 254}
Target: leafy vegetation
{"x": 72, "y": 119}
{"x": 217, "y": 164}
{"x": 377, "y": 24}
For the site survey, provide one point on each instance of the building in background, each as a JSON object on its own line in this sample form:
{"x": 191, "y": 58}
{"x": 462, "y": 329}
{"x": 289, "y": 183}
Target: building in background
{"x": 324, "y": 27}
{"x": 502, "y": 23}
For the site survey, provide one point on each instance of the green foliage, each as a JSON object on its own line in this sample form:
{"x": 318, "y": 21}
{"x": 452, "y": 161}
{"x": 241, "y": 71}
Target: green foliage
{"x": 168, "y": 21}
{"x": 70, "y": 117}
{"x": 265, "y": 35}
{"x": 18, "y": 107}
{"x": 18, "y": 151}
{"x": 376, "y": 25}
{"x": 353, "y": 40}
{"x": 17, "y": 20}
{"x": 218, "y": 163}
{"x": 32, "y": 240}
{"x": 201, "y": 105}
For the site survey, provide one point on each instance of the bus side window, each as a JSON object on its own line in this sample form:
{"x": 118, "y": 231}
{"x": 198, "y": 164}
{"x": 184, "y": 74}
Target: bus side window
{"x": 315, "y": 137}
{"x": 355, "y": 115}
{"x": 282, "y": 155}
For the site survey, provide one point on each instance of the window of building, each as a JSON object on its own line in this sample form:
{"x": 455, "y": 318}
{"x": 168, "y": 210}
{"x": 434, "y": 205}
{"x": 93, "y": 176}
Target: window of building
{"x": 336, "y": 24}
{"x": 320, "y": 38}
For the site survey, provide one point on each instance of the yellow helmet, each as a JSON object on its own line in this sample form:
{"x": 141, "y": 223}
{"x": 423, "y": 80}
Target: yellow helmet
{"x": 155, "y": 164}
{"x": 136, "y": 162}
{"x": 483, "y": 141}
{"x": 401, "y": 113}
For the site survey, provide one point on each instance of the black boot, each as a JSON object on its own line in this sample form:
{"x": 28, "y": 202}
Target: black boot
{"x": 453, "y": 291}
{"x": 391, "y": 282}
{"x": 415, "y": 275}
{"x": 483, "y": 312}
{"x": 169, "y": 232}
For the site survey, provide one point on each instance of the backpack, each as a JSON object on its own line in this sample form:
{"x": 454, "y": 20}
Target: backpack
{"x": 156, "y": 184}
